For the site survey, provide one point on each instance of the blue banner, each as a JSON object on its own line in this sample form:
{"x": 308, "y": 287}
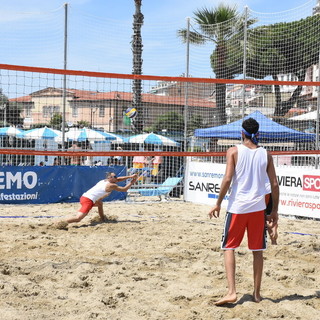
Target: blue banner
{"x": 54, "y": 184}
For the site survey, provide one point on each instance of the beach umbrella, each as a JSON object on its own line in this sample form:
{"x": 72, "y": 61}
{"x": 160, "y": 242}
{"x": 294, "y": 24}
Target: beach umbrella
{"x": 75, "y": 134}
{"x": 10, "y": 131}
{"x": 40, "y": 133}
{"x": 152, "y": 138}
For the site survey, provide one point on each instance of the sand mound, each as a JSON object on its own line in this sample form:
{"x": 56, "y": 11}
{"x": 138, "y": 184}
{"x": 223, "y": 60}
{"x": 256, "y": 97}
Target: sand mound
{"x": 61, "y": 225}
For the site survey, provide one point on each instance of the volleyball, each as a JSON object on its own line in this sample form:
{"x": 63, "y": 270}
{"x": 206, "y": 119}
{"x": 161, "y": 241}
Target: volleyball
{"x": 131, "y": 113}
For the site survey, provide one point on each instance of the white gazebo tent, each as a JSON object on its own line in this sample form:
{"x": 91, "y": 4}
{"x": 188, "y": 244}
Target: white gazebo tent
{"x": 306, "y": 116}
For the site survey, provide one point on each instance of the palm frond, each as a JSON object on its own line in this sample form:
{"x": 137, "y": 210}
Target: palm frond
{"x": 194, "y": 37}
{"x": 217, "y": 15}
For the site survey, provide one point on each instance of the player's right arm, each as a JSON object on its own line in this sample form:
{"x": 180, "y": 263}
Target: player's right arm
{"x": 226, "y": 181}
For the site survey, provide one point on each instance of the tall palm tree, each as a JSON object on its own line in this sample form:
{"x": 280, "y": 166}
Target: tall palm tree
{"x": 137, "y": 64}
{"x": 219, "y": 25}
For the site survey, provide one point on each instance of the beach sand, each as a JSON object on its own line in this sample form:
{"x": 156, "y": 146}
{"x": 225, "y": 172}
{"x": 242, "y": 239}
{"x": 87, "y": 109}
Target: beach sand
{"x": 159, "y": 260}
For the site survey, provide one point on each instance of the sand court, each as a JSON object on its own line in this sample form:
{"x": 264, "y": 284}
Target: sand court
{"x": 154, "y": 261}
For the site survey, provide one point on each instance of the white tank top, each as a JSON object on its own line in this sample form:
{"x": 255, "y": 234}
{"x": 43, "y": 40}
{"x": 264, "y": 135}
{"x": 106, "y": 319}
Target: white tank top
{"x": 97, "y": 191}
{"x": 248, "y": 187}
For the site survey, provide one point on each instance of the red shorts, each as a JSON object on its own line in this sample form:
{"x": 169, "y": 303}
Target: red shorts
{"x": 86, "y": 205}
{"x": 236, "y": 225}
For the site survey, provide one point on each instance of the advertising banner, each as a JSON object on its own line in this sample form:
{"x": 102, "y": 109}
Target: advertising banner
{"x": 38, "y": 185}
{"x": 299, "y": 188}
{"x": 299, "y": 192}
{"x": 202, "y": 182}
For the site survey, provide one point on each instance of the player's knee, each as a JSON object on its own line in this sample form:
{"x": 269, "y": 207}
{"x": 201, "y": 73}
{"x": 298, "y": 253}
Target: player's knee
{"x": 80, "y": 216}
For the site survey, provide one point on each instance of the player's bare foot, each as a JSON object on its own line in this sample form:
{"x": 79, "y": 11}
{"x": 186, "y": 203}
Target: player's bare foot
{"x": 256, "y": 297}
{"x": 229, "y": 298}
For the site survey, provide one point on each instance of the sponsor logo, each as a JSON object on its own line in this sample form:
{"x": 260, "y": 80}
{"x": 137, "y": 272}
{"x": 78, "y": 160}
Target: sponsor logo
{"x": 306, "y": 183}
{"x": 311, "y": 183}
{"x": 18, "y": 197}
{"x": 288, "y": 181}
{"x": 8, "y": 180}
{"x": 201, "y": 186}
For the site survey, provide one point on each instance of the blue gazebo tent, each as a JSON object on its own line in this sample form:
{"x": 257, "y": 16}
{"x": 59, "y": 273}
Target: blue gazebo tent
{"x": 269, "y": 131}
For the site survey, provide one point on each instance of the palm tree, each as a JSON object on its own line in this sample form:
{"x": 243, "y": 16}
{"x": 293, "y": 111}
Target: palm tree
{"x": 137, "y": 64}
{"x": 220, "y": 26}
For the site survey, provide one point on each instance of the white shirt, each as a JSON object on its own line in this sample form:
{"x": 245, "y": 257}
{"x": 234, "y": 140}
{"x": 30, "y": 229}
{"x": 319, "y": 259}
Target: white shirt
{"x": 248, "y": 187}
{"x": 98, "y": 191}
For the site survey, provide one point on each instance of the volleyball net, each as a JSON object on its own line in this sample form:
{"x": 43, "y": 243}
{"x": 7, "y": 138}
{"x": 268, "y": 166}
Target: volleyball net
{"x": 47, "y": 113}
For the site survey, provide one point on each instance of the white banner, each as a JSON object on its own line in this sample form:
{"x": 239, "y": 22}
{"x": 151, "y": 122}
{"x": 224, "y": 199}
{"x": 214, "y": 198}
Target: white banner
{"x": 202, "y": 182}
{"x": 299, "y": 188}
{"x": 299, "y": 192}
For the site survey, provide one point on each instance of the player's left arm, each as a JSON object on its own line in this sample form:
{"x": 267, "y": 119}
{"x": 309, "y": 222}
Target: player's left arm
{"x": 273, "y": 217}
{"x": 119, "y": 179}
{"x": 126, "y": 187}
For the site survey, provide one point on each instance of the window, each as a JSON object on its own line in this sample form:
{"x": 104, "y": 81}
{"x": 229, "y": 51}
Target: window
{"x": 49, "y": 111}
{"x": 75, "y": 112}
{"x": 45, "y": 112}
{"x": 55, "y": 109}
{"x": 28, "y": 111}
{"x": 101, "y": 111}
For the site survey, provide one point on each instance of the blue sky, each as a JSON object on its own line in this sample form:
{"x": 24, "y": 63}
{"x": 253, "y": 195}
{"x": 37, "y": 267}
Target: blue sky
{"x": 31, "y": 33}
{"x": 155, "y": 10}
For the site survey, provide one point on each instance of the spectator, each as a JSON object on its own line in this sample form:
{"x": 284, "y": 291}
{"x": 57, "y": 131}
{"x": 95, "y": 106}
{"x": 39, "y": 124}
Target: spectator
{"x": 75, "y": 160}
{"x": 56, "y": 161}
{"x": 87, "y": 161}
{"x": 118, "y": 159}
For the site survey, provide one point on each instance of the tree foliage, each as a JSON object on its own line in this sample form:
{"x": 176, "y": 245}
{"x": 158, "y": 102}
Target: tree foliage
{"x": 10, "y": 112}
{"x": 176, "y": 120}
{"x": 284, "y": 48}
{"x": 224, "y": 27}
{"x": 195, "y": 122}
{"x": 56, "y": 121}
{"x": 168, "y": 120}
{"x": 83, "y": 124}
{"x": 272, "y": 50}
{"x": 13, "y": 114}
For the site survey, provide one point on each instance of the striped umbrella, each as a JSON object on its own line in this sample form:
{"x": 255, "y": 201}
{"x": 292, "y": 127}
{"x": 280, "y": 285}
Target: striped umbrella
{"x": 75, "y": 134}
{"x": 152, "y": 138}
{"x": 10, "y": 131}
{"x": 40, "y": 133}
